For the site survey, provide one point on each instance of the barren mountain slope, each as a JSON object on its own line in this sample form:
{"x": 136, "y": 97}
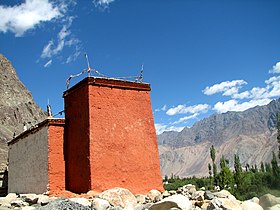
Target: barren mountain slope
{"x": 250, "y": 134}
{"x": 16, "y": 107}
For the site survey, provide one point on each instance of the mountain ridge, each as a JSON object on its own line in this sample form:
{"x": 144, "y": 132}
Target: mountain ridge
{"x": 17, "y": 107}
{"x": 243, "y": 133}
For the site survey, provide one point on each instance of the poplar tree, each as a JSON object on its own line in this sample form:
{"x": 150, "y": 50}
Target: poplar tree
{"x": 237, "y": 171}
{"x": 225, "y": 176}
{"x": 213, "y": 157}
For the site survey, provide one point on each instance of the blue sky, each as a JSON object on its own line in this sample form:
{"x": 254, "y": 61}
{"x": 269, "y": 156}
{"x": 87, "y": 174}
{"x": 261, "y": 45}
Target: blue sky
{"x": 200, "y": 56}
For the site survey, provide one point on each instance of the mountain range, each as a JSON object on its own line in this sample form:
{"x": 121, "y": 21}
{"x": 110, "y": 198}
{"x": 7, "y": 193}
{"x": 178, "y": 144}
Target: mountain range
{"x": 251, "y": 134}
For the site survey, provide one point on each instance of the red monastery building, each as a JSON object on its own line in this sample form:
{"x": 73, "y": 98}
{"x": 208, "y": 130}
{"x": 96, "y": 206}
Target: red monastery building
{"x": 107, "y": 140}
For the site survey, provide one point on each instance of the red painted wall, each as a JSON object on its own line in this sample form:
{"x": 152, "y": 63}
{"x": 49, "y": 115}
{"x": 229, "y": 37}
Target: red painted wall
{"x": 56, "y": 164}
{"x": 76, "y": 147}
{"x": 116, "y": 132}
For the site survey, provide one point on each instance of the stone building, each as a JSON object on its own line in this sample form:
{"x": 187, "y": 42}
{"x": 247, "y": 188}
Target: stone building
{"x": 108, "y": 140}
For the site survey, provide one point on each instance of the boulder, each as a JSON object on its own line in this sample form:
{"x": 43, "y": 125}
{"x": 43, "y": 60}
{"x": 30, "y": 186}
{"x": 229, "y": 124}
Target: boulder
{"x": 209, "y": 195}
{"x": 100, "y": 204}
{"x": 154, "y": 195}
{"x": 62, "y": 204}
{"x": 275, "y": 207}
{"x": 189, "y": 188}
{"x": 82, "y": 201}
{"x": 163, "y": 205}
{"x": 269, "y": 200}
{"x": 140, "y": 199}
{"x": 172, "y": 192}
{"x": 255, "y": 200}
{"x": 224, "y": 194}
{"x": 198, "y": 195}
{"x": 44, "y": 199}
{"x": 249, "y": 205}
{"x": 119, "y": 197}
{"x": 224, "y": 203}
{"x": 165, "y": 194}
{"x": 174, "y": 201}
{"x": 27, "y": 208}
{"x": 31, "y": 199}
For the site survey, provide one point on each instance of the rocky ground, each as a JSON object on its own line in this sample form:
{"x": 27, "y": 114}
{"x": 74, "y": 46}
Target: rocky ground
{"x": 185, "y": 198}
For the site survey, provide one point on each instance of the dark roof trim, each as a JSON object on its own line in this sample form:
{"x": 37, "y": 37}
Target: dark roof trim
{"x": 111, "y": 83}
{"x": 35, "y": 128}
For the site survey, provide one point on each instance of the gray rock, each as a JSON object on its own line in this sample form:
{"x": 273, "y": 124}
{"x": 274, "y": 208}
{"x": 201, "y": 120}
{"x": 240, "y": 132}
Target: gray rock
{"x": 119, "y": 197}
{"x": 172, "y": 192}
{"x": 82, "y": 201}
{"x": 100, "y": 204}
{"x": 269, "y": 200}
{"x": 163, "y": 205}
{"x": 165, "y": 194}
{"x": 63, "y": 204}
{"x": 249, "y": 205}
{"x": 209, "y": 195}
{"x": 140, "y": 199}
{"x": 174, "y": 201}
{"x": 154, "y": 195}
{"x": 275, "y": 207}
{"x": 224, "y": 203}
{"x": 28, "y": 208}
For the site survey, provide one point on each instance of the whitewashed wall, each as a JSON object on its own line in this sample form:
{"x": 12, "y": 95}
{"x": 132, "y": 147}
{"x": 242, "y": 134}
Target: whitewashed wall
{"x": 28, "y": 163}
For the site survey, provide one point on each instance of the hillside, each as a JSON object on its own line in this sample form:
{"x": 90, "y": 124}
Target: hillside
{"x": 16, "y": 107}
{"x": 250, "y": 134}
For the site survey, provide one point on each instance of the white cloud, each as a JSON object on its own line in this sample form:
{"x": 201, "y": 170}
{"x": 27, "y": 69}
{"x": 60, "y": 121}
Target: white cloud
{"x": 183, "y": 109}
{"x": 228, "y": 88}
{"x": 48, "y": 64}
{"x": 275, "y": 68}
{"x": 103, "y": 4}
{"x": 23, "y": 17}
{"x": 160, "y": 128}
{"x": 234, "y": 105}
{"x": 183, "y": 119}
{"x": 64, "y": 38}
{"x": 164, "y": 108}
{"x": 74, "y": 56}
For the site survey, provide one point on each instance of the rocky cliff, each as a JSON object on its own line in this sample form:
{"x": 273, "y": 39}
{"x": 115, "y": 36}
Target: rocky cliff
{"x": 250, "y": 134}
{"x": 17, "y": 107}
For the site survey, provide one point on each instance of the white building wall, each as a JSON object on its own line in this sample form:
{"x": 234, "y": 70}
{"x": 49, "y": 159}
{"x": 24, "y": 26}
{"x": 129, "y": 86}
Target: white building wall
{"x": 28, "y": 163}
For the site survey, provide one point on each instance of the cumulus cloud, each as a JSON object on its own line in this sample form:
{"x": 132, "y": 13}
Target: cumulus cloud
{"x": 48, "y": 64}
{"x": 103, "y": 4}
{"x": 275, "y": 68}
{"x": 183, "y": 109}
{"x": 234, "y": 105}
{"x": 228, "y": 88}
{"x": 183, "y": 119}
{"x": 26, "y": 16}
{"x": 160, "y": 128}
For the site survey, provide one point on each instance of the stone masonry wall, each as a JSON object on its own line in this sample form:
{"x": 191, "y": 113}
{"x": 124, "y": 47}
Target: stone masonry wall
{"x": 28, "y": 163}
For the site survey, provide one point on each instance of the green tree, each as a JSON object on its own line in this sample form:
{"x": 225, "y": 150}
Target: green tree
{"x": 274, "y": 165}
{"x": 262, "y": 167}
{"x": 213, "y": 157}
{"x": 225, "y": 177}
{"x": 210, "y": 170}
{"x": 268, "y": 168}
{"x": 237, "y": 171}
